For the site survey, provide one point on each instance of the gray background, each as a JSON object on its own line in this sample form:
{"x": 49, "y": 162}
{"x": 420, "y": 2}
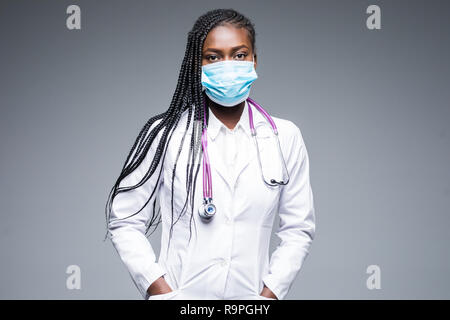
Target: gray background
{"x": 373, "y": 107}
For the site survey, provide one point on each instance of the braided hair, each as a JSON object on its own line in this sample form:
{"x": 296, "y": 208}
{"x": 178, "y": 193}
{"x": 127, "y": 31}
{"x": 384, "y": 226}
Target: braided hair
{"x": 188, "y": 96}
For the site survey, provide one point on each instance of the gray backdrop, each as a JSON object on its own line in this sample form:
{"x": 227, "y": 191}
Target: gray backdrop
{"x": 373, "y": 107}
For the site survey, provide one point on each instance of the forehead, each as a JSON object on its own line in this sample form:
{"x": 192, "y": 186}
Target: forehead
{"x": 226, "y": 36}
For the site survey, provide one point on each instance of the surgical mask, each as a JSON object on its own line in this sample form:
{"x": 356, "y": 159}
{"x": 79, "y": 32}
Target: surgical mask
{"x": 228, "y": 82}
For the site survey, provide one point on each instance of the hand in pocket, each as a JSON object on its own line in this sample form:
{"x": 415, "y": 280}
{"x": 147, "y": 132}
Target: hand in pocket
{"x": 159, "y": 287}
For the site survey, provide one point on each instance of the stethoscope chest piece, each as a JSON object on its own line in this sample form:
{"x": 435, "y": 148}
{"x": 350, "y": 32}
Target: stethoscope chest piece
{"x": 207, "y": 210}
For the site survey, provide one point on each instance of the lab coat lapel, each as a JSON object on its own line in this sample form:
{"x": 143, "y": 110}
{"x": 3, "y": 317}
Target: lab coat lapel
{"x": 258, "y": 121}
{"x": 218, "y": 164}
{"x": 215, "y": 151}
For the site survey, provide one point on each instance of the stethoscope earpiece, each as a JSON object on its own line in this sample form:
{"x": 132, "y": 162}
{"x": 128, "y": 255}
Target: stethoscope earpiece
{"x": 277, "y": 183}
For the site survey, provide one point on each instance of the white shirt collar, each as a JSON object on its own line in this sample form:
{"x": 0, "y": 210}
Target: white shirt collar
{"x": 215, "y": 125}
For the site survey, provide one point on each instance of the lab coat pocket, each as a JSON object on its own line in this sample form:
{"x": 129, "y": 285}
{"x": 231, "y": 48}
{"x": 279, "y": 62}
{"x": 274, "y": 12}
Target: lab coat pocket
{"x": 164, "y": 296}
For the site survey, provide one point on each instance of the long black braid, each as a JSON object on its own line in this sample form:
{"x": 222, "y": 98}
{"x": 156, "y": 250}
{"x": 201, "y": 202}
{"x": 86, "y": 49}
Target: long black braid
{"x": 188, "y": 96}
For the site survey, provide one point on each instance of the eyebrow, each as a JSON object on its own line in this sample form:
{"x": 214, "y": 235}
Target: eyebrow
{"x": 232, "y": 49}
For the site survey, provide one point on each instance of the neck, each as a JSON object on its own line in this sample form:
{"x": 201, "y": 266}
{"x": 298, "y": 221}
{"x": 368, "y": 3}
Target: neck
{"x": 229, "y": 116}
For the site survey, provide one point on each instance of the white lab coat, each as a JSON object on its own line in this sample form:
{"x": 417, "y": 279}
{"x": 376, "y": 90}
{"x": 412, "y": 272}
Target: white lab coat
{"x": 227, "y": 258}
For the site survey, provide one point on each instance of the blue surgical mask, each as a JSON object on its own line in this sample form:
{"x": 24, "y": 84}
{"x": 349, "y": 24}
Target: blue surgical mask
{"x": 228, "y": 82}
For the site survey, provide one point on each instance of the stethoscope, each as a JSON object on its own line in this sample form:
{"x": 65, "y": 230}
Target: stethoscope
{"x": 208, "y": 209}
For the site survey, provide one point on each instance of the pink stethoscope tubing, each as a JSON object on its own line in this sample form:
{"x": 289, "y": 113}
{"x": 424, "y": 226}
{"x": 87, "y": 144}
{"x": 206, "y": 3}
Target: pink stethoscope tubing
{"x": 207, "y": 179}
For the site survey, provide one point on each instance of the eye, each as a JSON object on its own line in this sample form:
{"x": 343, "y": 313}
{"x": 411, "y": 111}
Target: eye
{"x": 241, "y": 56}
{"x": 211, "y": 58}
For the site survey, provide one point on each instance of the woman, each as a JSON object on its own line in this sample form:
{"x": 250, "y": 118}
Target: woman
{"x": 215, "y": 228}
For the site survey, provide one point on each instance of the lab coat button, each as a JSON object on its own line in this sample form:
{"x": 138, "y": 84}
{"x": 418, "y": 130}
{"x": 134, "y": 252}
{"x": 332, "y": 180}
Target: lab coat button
{"x": 224, "y": 263}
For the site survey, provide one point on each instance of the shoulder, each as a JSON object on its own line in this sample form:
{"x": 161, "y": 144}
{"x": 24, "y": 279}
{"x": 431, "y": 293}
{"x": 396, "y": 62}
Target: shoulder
{"x": 155, "y": 123}
{"x": 149, "y": 130}
{"x": 180, "y": 127}
{"x": 291, "y": 139}
{"x": 288, "y": 131}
